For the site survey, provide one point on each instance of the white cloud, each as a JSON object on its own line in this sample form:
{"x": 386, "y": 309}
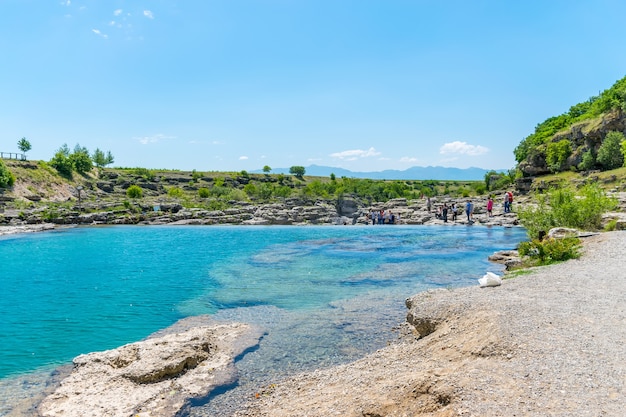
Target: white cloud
{"x": 117, "y": 12}
{"x": 148, "y": 14}
{"x": 408, "y": 159}
{"x": 354, "y": 154}
{"x": 145, "y": 140}
{"x": 243, "y": 158}
{"x": 66, "y": 3}
{"x": 97, "y": 32}
{"x": 458, "y": 147}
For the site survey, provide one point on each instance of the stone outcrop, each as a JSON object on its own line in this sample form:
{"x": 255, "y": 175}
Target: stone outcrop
{"x": 155, "y": 377}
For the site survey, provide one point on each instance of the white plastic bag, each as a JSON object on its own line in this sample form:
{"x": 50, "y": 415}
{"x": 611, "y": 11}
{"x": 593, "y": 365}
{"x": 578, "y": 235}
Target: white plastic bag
{"x": 490, "y": 280}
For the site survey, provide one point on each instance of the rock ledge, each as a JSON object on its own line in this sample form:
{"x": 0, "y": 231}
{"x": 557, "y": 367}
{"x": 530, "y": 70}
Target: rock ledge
{"x": 155, "y": 377}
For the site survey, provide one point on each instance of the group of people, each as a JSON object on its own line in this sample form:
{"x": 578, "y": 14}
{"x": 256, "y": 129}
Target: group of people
{"x": 382, "y": 217}
{"x": 444, "y": 210}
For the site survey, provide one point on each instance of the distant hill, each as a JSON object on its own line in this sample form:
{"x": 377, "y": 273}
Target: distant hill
{"x": 414, "y": 173}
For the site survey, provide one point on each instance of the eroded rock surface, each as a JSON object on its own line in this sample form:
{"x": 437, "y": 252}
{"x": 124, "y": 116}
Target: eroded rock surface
{"x": 155, "y": 377}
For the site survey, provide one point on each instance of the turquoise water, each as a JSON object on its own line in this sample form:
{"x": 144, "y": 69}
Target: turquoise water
{"x": 79, "y": 290}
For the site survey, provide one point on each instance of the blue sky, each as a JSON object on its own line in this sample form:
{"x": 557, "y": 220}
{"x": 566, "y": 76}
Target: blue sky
{"x": 234, "y": 85}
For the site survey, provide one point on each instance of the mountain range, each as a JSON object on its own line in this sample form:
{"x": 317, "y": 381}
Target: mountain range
{"x": 414, "y": 173}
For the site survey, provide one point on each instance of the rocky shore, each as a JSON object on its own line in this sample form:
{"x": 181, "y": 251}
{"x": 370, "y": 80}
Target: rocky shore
{"x": 550, "y": 342}
{"x": 348, "y": 211}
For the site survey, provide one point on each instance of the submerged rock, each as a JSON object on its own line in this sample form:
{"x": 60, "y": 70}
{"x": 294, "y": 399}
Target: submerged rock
{"x": 155, "y": 377}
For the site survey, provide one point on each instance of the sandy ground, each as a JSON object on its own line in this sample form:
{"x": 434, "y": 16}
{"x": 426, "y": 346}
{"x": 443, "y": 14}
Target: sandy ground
{"x": 548, "y": 343}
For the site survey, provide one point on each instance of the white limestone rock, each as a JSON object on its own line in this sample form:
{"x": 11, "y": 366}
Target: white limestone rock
{"x": 155, "y": 377}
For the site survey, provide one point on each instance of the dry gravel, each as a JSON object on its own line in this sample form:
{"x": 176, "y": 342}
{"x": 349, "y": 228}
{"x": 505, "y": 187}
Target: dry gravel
{"x": 548, "y": 343}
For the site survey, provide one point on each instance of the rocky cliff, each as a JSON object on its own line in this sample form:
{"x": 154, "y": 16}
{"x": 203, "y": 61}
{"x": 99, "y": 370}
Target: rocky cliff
{"x": 583, "y": 136}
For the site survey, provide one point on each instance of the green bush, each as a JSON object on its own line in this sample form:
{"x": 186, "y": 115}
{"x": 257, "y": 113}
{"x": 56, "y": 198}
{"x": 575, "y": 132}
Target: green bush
{"x": 195, "y": 175}
{"x": 61, "y": 161}
{"x": 611, "y": 226}
{"x": 175, "y": 192}
{"x": 7, "y": 179}
{"x": 144, "y": 173}
{"x": 588, "y": 161}
{"x": 217, "y": 205}
{"x": 134, "y": 191}
{"x": 547, "y": 251}
{"x": 204, "y": 192}
{"x": 610, "y": 152}
{"x": 565, "y": 208}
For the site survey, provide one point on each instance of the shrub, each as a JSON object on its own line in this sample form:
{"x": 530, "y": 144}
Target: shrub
{"x": 219, "y": 191}
{"x": 195, "y": 175}
{"x": 144, "y": 173}
{"x": 203, "y": 192}
{"x": 588, "y": 161}
{"x": 175, "y": 192}
{"x": 611, "y": 226}
{"x": 548, "y": 251}
{"x": 7, "y": 179}
{"x": 479, "y": 188}
{"x": 217, "y": 205}
{"x": 134, "y": 191}
{"x": 564, "y": 207}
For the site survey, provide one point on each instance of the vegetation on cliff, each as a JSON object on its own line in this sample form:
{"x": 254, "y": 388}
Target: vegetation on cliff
{"x": 574, "y": 140}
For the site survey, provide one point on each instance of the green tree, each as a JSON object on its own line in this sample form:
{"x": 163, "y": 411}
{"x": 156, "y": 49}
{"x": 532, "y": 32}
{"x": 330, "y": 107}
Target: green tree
{"x": 297, "y": 171}
{"x": 557, "y": 154}
{"x": 100, "y": 159}
{"x": 610, "y": 153}
{"x": 267, "y": 169}
{"x": 24, "y": 145}
{"x": 61, "y": 161}
{"x": 81, "y": 160}
{"x": 6, "y": 177}
{"x": 588, "y": 161}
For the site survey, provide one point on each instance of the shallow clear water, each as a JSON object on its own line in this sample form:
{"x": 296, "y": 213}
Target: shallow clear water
{"x": 325, "y": 295}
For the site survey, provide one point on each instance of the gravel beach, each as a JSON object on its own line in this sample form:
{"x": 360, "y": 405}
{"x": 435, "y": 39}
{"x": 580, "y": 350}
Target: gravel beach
{"x": 550, "y": 342}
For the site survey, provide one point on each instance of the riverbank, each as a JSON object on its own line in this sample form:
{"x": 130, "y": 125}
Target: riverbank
{"x": 26, "y": 228}
{"x": 549, "y": 342}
